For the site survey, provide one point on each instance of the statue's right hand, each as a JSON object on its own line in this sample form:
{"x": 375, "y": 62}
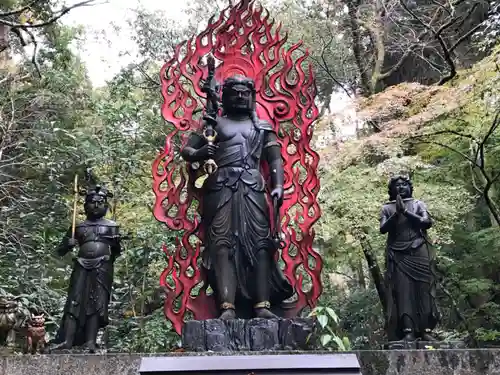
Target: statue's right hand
{"x": 71, "y": 243}
{"x": 206, "y": 86}
{"x": 206, "y": 152}
{"x": 400, "y": 206}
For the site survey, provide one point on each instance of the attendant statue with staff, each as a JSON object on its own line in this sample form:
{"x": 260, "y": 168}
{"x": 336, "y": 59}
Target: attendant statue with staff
{"x": 89, "y": 291}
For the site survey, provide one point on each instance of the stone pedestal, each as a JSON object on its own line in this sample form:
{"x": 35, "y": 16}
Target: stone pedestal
{"x": 248, "y": 335}
{"x": 441, "y": 345}
{"x": 418, "y": 344}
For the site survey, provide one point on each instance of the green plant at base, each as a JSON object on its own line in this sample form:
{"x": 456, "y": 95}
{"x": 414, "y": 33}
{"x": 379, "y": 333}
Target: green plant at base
{"x": 329, "y": 323}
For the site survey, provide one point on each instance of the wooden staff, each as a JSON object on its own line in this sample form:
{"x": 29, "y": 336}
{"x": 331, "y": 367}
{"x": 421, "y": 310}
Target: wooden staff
{"x": 75, "y": 204}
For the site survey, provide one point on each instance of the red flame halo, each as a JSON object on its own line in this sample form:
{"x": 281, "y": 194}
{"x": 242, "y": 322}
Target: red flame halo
{"x": 235, "y": 66}
{"x": 243, "y": 39}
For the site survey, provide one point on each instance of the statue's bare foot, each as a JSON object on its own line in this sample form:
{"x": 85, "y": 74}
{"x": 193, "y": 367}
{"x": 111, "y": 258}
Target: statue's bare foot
{"x": 428, "y": 337}
{"x": 264, "y": 314}
{"x": 91, "y": 346}
{"x": 62, "y": 346}
{"x": 409, "y": 337}
{"x": 228, "y": 314}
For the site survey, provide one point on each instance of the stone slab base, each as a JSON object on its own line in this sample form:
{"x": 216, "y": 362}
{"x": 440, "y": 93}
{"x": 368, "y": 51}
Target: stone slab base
{"x": 248, "y": 335}
{"x": 300, "y": 364}
{"x": 377, "y": 362}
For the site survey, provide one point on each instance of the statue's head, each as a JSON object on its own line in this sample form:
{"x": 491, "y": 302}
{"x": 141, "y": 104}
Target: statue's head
{"x": 238, "y": 95}
{"x": 96, "y": 202}
{"x": 37, "y": 320}
{"x": 400, "y": 185}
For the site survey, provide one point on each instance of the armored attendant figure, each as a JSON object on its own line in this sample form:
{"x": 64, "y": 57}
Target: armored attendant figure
{"x": 89, "y": 291}
{"x": 239, "y": 244}
{"x": 410, "y": 275}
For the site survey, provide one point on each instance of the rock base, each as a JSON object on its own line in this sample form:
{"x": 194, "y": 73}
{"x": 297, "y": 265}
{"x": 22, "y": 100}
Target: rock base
{"x": 240, "y": 335}
{"x": 405, "y": 345}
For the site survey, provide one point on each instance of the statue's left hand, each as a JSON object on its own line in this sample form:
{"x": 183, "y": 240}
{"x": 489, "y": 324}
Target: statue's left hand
{"x": 71, "y": 243}
{"x": 277, "y": 193}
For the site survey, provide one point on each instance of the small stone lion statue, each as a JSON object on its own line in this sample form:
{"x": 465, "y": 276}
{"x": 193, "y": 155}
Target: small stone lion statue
{"x": 35, "y": 334}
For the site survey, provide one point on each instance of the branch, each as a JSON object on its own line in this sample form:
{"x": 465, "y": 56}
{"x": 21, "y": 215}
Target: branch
{"x": 411, "y": 48}
{"x": 325, "y": 68}
{"x": 155, "y": 82}
{"x": 16, "y": 28}
{"x": 344, "y": 275}
{"x": 454, "y": 303}
{"x": 437, "y": 35}
{"x": 476, "y": 161}
{"x": 447, "y": 51}
{"x": 18, "y": 11}
{"x": 442, "y": 7}
{"x": 35, "y": 50}
{"x": 465, "y": 36}
{"x": 473, "y": 180}
{"x": 61, "y": 12}
{"x": 451, "y": 149}
{"x": 491, "y": 205}
{"x": 479, "y": 153}
{"x": 443, "y": 132}
{"x": 398, "y": 65}
{"x": 495, "y": 177}
{"x": 493, "y": 127}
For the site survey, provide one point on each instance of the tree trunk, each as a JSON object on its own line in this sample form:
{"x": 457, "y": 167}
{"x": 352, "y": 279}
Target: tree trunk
{"x": 352, "y": 9}
{"x": 5, "y": 56}
{"x": 374, "y": 268}
{"x": 361, "y": 274}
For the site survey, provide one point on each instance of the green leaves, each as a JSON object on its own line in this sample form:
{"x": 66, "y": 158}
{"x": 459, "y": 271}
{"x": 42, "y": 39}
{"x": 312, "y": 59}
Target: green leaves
{"x": 329, "y": 327}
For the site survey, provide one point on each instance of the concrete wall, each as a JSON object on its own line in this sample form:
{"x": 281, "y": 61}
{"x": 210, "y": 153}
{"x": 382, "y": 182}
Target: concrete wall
{"x": 431, "y": 362}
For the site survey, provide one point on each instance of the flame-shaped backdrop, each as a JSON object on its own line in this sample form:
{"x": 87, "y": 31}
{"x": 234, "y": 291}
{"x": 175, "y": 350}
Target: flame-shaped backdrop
{"x": 243, "y": 40}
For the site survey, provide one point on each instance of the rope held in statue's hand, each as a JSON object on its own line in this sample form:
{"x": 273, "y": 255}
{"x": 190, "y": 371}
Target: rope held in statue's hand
{"x": 278, "y": 239}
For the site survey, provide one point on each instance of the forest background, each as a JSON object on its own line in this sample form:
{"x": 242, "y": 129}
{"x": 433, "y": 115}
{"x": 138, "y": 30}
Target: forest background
{"x": 422, "y": 80}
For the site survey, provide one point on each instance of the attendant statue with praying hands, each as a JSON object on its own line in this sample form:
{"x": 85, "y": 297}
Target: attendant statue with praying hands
{"x": 410, "y": 274}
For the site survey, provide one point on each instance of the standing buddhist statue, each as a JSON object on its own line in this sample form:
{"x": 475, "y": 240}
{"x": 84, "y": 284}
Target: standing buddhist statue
{"x": 98, "y": 240}
{"x": 246, "y": 231}
{"x": 410, "y": 275}
{"x": 238, "y": 240}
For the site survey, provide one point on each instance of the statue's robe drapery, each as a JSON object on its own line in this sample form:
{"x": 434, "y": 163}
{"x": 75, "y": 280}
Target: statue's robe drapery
{"x": 236, "y": 212}
{"x": 410, "y": 272}
{"x": 90, "y": 284}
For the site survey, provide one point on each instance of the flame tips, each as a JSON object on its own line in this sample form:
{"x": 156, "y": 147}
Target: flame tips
{"x": 244, "y": 4}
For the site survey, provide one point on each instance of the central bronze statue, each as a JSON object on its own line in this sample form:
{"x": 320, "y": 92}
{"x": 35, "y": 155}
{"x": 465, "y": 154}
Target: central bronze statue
{"x": 410, "y": 276}
{"x": 257, "y": 93}
{"x": 239, "y": 242}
